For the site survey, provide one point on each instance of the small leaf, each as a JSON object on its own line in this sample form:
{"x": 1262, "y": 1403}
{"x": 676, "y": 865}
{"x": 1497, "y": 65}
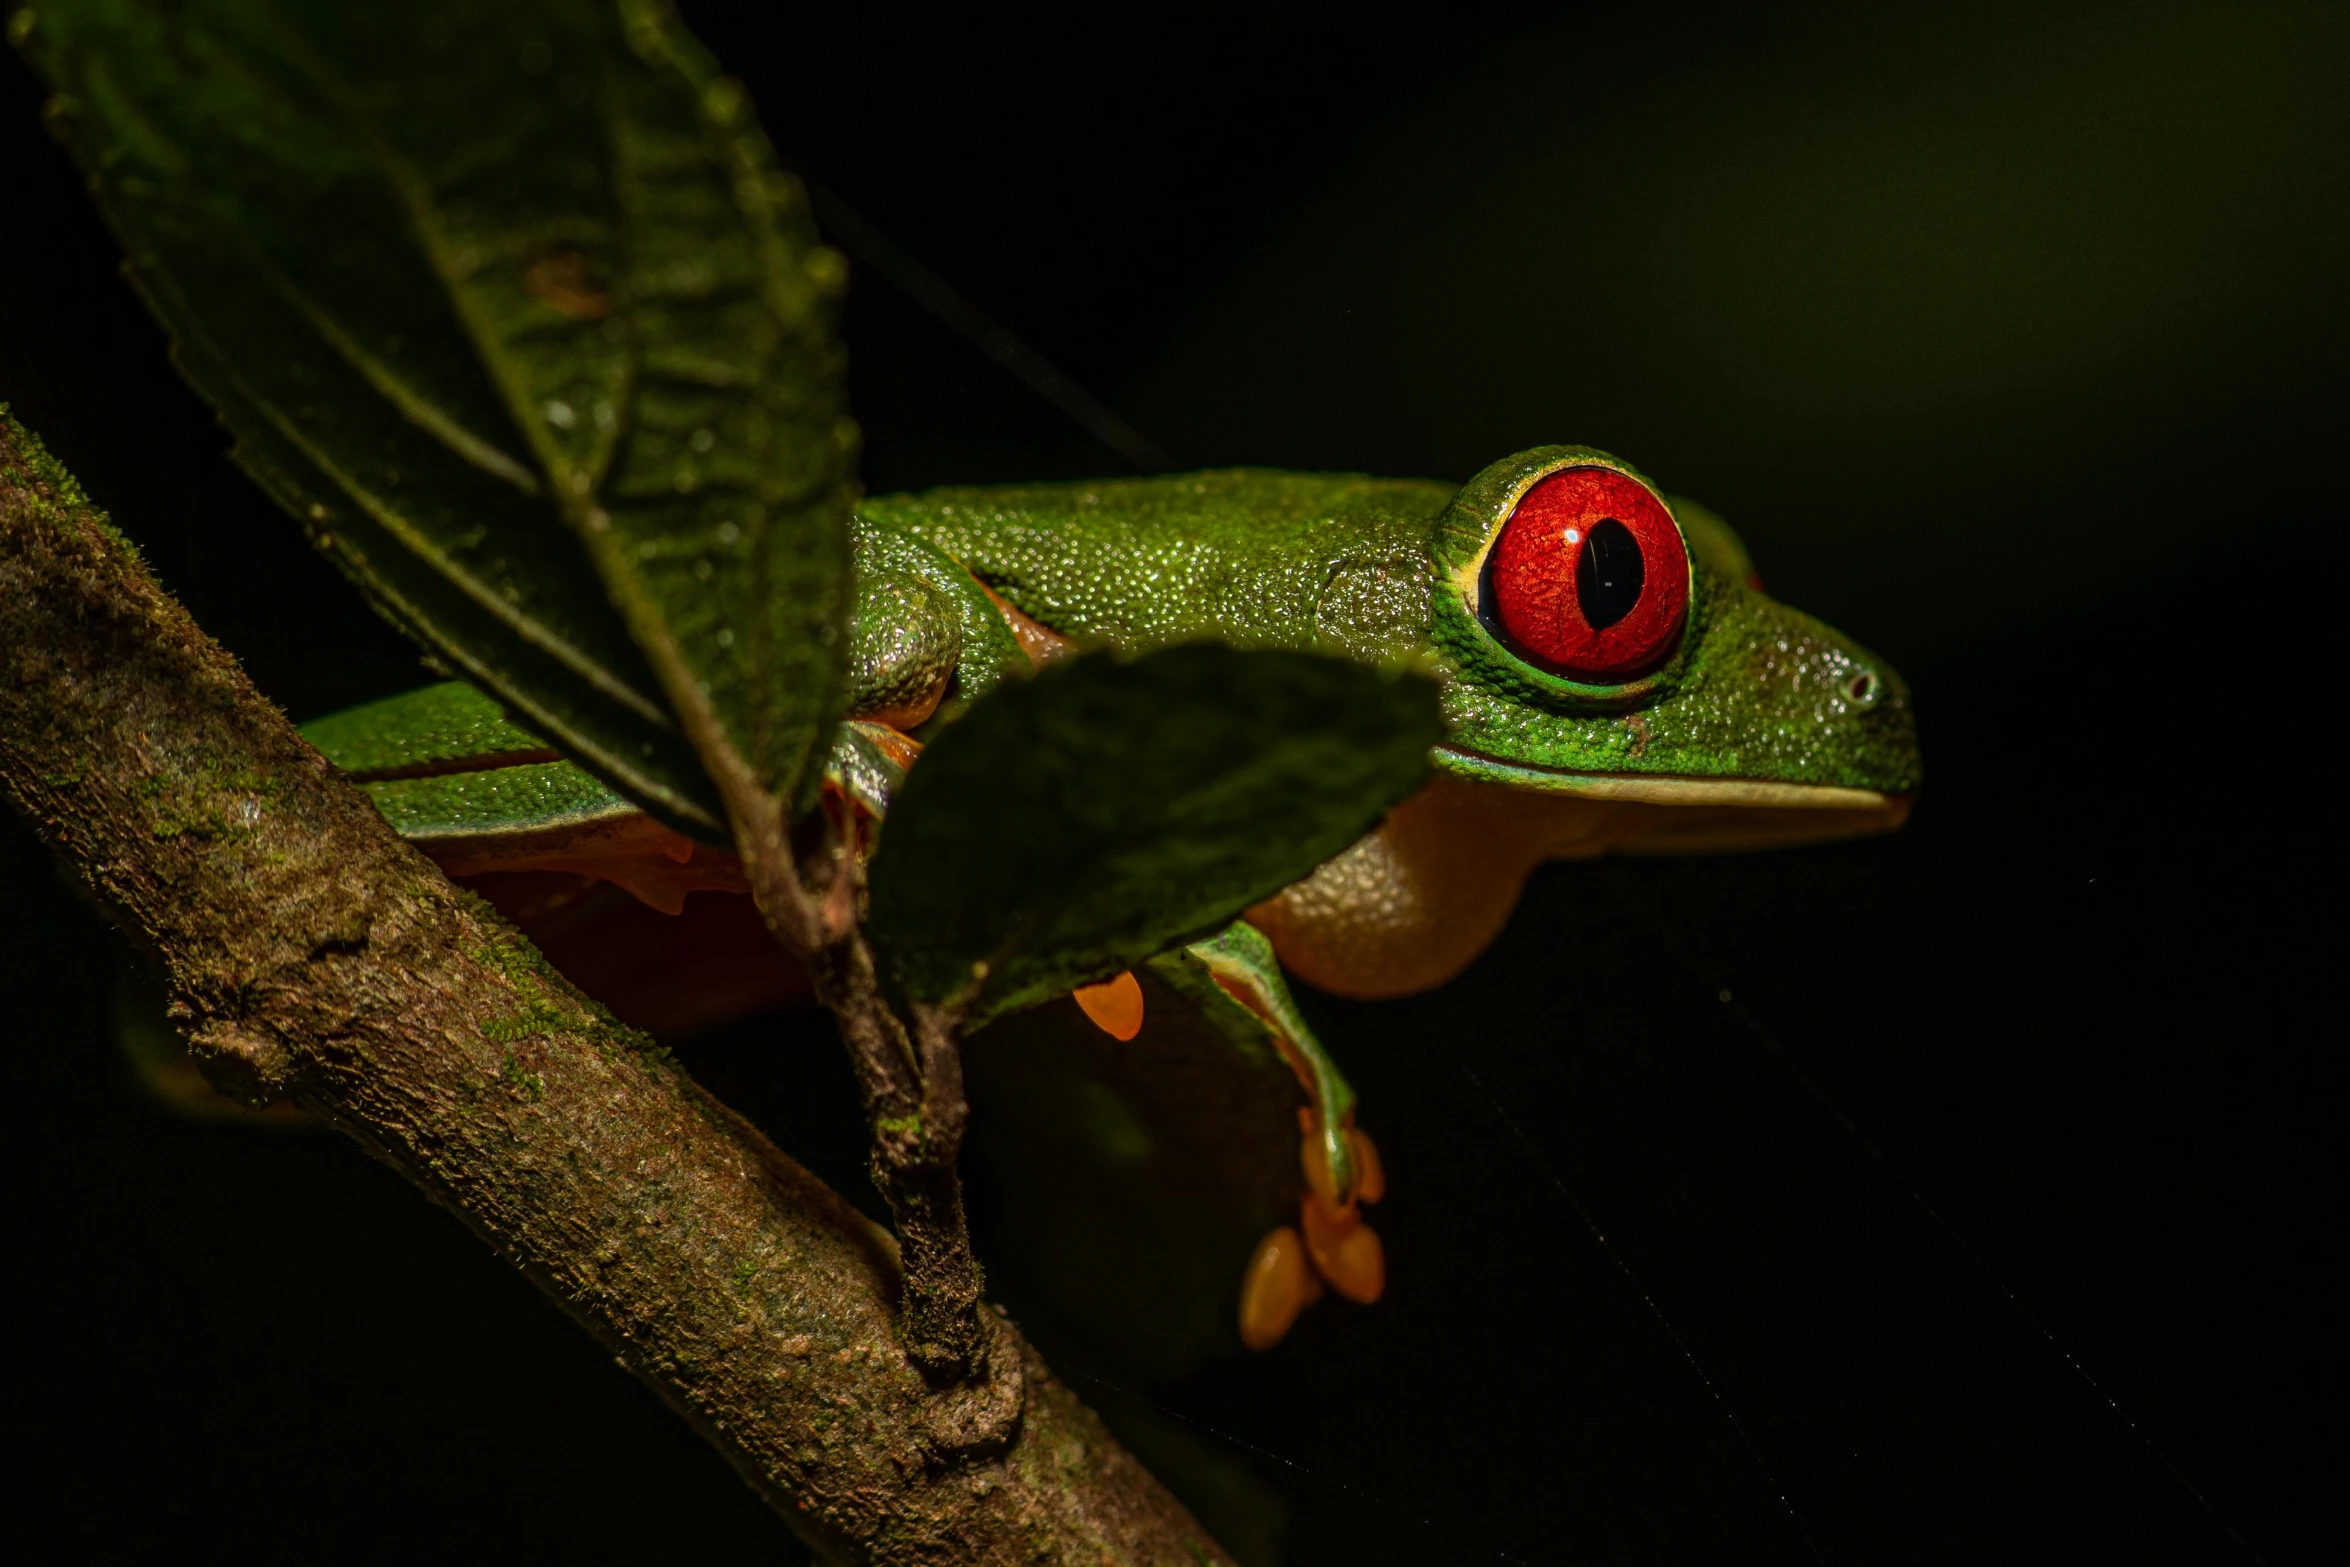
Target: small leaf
{"x": 509, "y": 304}
{"x": 1073, "y": 825}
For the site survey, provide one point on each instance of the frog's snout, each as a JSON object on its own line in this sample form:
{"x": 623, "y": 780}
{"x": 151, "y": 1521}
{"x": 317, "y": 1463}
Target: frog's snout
{"x": 1877, "y": 736}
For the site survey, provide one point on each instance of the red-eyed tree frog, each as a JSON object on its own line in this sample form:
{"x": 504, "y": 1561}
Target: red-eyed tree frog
{"x": 1614, "y": 681}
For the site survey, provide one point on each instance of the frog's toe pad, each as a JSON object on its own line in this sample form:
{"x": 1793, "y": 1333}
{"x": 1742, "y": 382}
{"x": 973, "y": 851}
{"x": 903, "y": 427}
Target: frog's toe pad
{"x": 1344, "y": 1249}
{"x": 1115, "y": 1005}
{"x": 1279, "y": 1284}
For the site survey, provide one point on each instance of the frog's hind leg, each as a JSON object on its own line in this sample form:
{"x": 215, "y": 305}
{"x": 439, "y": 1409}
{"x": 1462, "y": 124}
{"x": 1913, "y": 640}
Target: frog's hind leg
{"x": 1339, "y": 1162}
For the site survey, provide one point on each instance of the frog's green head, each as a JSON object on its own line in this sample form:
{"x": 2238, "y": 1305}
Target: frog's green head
{"x": 1611, "y": 644}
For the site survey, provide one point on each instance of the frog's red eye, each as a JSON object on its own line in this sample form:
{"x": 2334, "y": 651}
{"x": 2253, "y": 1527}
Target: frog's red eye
{"x": 1590, "y": 576}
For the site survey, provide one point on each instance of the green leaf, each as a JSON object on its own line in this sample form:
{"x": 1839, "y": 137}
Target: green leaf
{"x": 510, "y": 305}
{"x": 1073, "y": 825}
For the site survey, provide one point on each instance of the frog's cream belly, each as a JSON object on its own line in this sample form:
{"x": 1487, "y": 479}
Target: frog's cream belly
{"x": 1412, "y": 904}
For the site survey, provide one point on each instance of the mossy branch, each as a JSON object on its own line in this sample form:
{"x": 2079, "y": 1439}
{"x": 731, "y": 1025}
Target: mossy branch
{"x": 314, "y": 956}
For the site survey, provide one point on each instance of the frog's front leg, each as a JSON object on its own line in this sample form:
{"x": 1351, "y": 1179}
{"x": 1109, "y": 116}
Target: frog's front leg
{"x": 1331, "y": 1244}
{"x": 1242, "y": 962}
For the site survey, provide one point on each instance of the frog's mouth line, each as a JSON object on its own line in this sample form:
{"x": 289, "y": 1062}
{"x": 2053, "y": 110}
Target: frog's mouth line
{"x": 1652, "y": 813}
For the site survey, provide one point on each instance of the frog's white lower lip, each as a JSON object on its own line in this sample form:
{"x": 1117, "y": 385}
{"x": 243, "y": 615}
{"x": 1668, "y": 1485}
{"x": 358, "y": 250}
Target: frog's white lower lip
{"x": 1828, "y": 810}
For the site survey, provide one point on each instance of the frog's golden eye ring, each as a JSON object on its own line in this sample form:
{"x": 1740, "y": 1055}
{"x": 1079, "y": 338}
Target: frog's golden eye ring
{"x": 1589, "y": 579}
{"x": 1494, "y": 621}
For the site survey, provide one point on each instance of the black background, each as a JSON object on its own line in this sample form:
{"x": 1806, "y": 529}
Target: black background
{"x": 1958, "y": 1195}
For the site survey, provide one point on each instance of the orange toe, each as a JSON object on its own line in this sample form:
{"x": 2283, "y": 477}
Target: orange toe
{"x": 1279, "y": 1284}
{"x": 1115, "y": 1005}
{"x": 1344, "y": 1249}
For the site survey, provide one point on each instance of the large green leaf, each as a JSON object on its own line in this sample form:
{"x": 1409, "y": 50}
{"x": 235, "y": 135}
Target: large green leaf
{"x": 509, "y": 304}
{"x": 1072, "y": 825}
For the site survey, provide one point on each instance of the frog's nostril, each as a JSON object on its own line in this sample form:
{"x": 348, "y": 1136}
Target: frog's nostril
{"x": 1862, "y": 689}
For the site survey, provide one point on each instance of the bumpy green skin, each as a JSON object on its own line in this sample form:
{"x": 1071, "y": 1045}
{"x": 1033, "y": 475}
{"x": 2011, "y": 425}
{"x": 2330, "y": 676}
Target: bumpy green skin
{"x": 920, "y": 616}
{"x": 1372, "y": 569}
{"x": 446, "y": 762}
{"x": 428, "y": 730}
{"x": 903, "y": 643}
{"x": 1380, "y": 570}
{"x": 1331, "y": 563}
{"x": 1754, "y": 690}
{"x": 494, "y": 801}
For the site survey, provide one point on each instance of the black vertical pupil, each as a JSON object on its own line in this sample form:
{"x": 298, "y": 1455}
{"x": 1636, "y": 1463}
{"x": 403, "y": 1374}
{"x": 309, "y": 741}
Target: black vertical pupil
{"x": 1609, "y": 573}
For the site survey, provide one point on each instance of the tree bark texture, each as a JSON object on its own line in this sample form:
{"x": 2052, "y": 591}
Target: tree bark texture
{"x": 314, "y": 956}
